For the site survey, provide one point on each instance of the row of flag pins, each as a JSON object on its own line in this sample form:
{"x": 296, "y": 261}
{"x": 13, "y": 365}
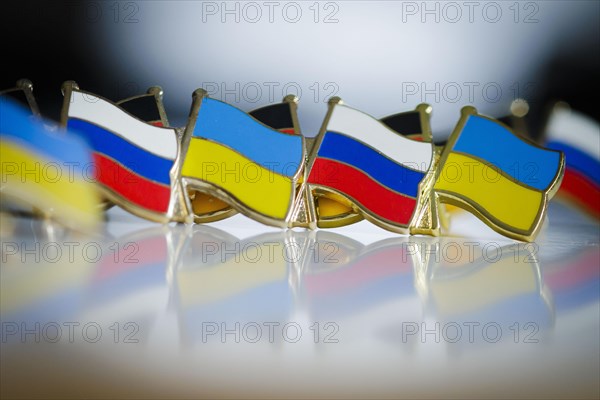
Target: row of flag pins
{"x": 226, "y": 161}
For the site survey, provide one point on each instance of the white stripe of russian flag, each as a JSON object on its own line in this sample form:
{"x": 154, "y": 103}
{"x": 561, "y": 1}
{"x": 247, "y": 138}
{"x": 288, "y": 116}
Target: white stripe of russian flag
{"x": 576, "y": 130}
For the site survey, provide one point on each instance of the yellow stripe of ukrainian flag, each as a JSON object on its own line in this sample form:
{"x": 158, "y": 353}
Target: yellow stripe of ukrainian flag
{"x": 252, "y": 185}
{"x": 73, "y": 201}
{"x": 493, "y": 283}
{"x": 496, "y": 196}
{"x": 214, "y": 283}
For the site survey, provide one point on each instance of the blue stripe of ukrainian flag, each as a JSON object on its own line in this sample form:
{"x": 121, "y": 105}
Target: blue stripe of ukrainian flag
{"x": 502, "y": 178}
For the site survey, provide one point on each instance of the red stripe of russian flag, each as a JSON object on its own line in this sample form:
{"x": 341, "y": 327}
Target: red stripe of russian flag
{"x": 582, "y": 190}
{"x": 134, "y": 188}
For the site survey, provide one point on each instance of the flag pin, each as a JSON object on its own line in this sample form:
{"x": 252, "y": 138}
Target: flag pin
{"x": 334, "y": 212}
{"x": 136, "y": 163}
{"x": 503, "y": 179}
{"x": 366, "y": 165}
{"x": 249, "y": 162}
{"x": 43, "y": 171}
{"x": 578, "y": 137}
{"x": 280, "y": 117}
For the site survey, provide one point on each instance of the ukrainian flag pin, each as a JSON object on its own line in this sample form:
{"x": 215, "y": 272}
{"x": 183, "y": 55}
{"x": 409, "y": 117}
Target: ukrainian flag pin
{"x": 234, "y": 157}
{"x": 209, "y": 206}
{"x": 44, "y": 170}
{"x": 503, "y": 179}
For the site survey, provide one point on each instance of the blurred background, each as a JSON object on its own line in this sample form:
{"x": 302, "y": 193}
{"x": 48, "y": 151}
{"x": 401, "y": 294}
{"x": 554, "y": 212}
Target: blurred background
{"x": 379, "y": 56}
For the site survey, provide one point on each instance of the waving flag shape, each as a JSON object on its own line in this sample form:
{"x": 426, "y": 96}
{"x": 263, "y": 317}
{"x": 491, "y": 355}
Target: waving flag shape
{"x": 279, "y": 116}
{"x": 578, "y": 137}
{"x": 501, "y": 178}
{"x": 133, "y": 159}
{"x": 412, "y": 124}
{"x": 246, "y": 163}
{"x": 371, "y": 165}
{"x": 45, "y": 170}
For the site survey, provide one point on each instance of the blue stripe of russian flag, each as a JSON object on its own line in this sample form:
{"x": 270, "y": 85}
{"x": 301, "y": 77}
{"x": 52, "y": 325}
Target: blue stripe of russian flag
{"x": 578, "y": 160}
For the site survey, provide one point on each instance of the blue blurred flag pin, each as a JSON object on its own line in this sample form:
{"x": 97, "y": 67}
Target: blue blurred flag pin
{"x": 42, "y": 169}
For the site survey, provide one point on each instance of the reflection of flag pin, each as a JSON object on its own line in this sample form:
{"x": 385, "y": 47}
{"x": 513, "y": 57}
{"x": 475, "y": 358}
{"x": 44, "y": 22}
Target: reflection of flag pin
{"x": 137, "y": 263}
{"x": 136, "y": 163}
{"x": 203, "y": 289}
{"x": 573, "y": 278}
{"x": 232, "y": 156}
{"x": 578, "y": 137}
{"x": 375, "y": 169}
{"x": 464, "y": 285}
{"x": 502, "y": 179}
{"x": 343, "y": 276}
